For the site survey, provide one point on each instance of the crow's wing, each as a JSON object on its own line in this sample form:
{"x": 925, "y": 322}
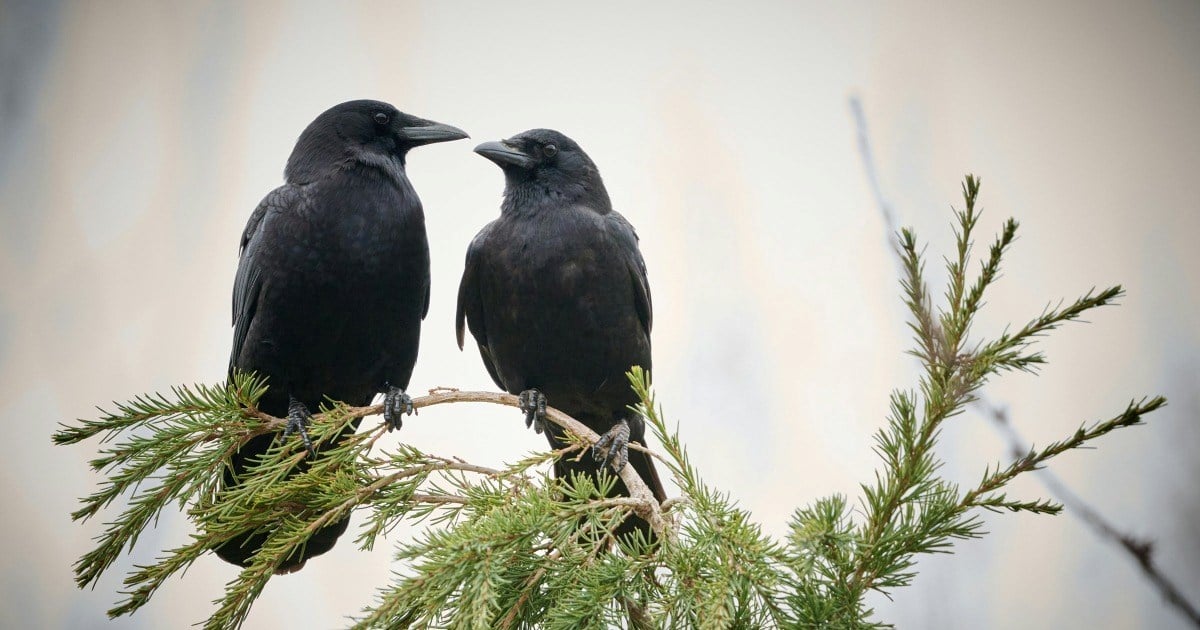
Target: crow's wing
{"x": 248, "y": 282}
{"x": 469, "y": 314}
{"x": 627, "y": 241}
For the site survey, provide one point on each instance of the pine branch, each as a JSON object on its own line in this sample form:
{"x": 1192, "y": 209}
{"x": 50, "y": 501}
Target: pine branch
{"x": 909, "y": 510}
{"x": 192, "y": 433}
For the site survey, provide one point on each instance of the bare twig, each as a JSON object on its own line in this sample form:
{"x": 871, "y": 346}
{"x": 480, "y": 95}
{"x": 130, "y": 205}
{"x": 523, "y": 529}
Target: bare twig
{"x": 868, "y": 159}
{"x": 437, "y": 498}
{"x": 1141, "y": 550}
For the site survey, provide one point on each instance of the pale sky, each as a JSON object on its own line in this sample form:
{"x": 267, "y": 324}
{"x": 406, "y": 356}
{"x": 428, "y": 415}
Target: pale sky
{"x": 136, "y": 137}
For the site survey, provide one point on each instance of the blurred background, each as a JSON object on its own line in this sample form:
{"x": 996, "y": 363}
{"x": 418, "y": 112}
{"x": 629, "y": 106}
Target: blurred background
{"x": 136, "y": 137}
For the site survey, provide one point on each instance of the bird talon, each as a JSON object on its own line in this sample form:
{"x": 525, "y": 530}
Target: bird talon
{"x": 533, "y": 403}
{"x": 396, "y": 404}
{"x": 298, "y": 420}
{"x": 613, "y": 447}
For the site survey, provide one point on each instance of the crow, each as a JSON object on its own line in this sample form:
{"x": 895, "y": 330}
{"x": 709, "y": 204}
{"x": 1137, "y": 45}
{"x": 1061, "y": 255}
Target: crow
{"x": 555, "y": 293}
{"x": 332, "y": 285}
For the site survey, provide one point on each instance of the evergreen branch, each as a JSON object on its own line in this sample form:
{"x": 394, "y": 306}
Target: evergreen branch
{"x": 1033, "y": 459}
{"x": 526, "y": 591}
{"x": 1006, "y": 352}
{"x": 180, "y": 428}
{"x": 908, "y": 509}
{"x": 1142, "y": 551}
{"x": 294, "y": 531}
{"x": 928, "y": 332}
{"x": 1007, "y": 355}
{"x": 955, "y": 318}
{"x": 191, "y": 434}
{"x": 990, "y": 269}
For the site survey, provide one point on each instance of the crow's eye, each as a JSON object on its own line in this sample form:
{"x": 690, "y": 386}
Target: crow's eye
{"x": 381, "y": 118}
{"x": 549, "y": 150}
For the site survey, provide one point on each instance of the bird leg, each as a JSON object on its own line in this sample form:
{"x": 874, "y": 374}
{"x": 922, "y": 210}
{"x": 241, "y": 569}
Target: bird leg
{"x": 613, "y": 447}
{"x": 396, "y": 404}
{"x": 533, "y": 403}
{"x": 297, "y": 422}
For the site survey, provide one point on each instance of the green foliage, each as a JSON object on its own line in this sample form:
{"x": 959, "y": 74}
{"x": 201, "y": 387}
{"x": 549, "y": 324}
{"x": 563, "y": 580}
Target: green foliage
{"x": 513, "y": 548}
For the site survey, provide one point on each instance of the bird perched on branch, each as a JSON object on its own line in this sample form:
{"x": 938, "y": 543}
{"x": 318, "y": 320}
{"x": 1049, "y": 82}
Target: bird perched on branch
{"x": 332, "y": 285}
{"x": 555, "y": 294}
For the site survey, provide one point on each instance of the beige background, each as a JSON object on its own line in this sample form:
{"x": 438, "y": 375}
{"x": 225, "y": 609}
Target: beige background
{"x": 135, "y": 138}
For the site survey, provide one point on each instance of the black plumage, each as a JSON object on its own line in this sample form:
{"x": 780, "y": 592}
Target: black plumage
{"x": 333, "y": 283}
{"x": 556, "y": 295}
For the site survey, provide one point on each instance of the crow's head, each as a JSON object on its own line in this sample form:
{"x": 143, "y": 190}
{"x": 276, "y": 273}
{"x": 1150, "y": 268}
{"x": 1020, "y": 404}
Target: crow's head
{"x": 545, "y": 163}
{"x": 372, "y": 130}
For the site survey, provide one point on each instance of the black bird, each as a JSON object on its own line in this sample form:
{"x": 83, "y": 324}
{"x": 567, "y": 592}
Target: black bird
{"x": 332, "y": 285}
{"x": 555, "y": 293}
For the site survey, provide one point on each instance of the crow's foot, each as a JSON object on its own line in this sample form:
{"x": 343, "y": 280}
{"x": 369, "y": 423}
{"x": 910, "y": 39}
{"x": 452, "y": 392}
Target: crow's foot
{"x": 396, "y": 404}
{"x": 533, "y": 403}
{"x": 297, "y": 422}
{"x": 613, "y": 447}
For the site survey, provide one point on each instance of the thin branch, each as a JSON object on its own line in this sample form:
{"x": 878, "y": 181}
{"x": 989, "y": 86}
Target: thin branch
{"x": 438, "y": 499}
{"x": 868, "y": 159}
{"x": 526, "y": 589}
{"x": 644, "y": 503}
{"x": 384, "y": 481}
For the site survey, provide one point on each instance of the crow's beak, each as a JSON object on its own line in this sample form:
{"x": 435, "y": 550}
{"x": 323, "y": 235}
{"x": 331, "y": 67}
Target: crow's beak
{"x": 504, "y": 155}
{"x": 428, "y": 132}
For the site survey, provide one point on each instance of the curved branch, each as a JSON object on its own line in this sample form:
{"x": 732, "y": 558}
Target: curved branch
{"x": 646, "y": 505}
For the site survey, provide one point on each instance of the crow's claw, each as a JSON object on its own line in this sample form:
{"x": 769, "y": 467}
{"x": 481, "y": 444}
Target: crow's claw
{"x": 396, "y": 404}
{"x": 297, "y": 422}
{"x": 533, "y": 403}
{"x": 613, "y": 447}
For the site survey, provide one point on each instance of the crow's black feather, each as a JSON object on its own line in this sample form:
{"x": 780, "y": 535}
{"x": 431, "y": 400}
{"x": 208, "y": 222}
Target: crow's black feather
{"x": 556, "y": 295}
{"x": 333, "y": 280}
